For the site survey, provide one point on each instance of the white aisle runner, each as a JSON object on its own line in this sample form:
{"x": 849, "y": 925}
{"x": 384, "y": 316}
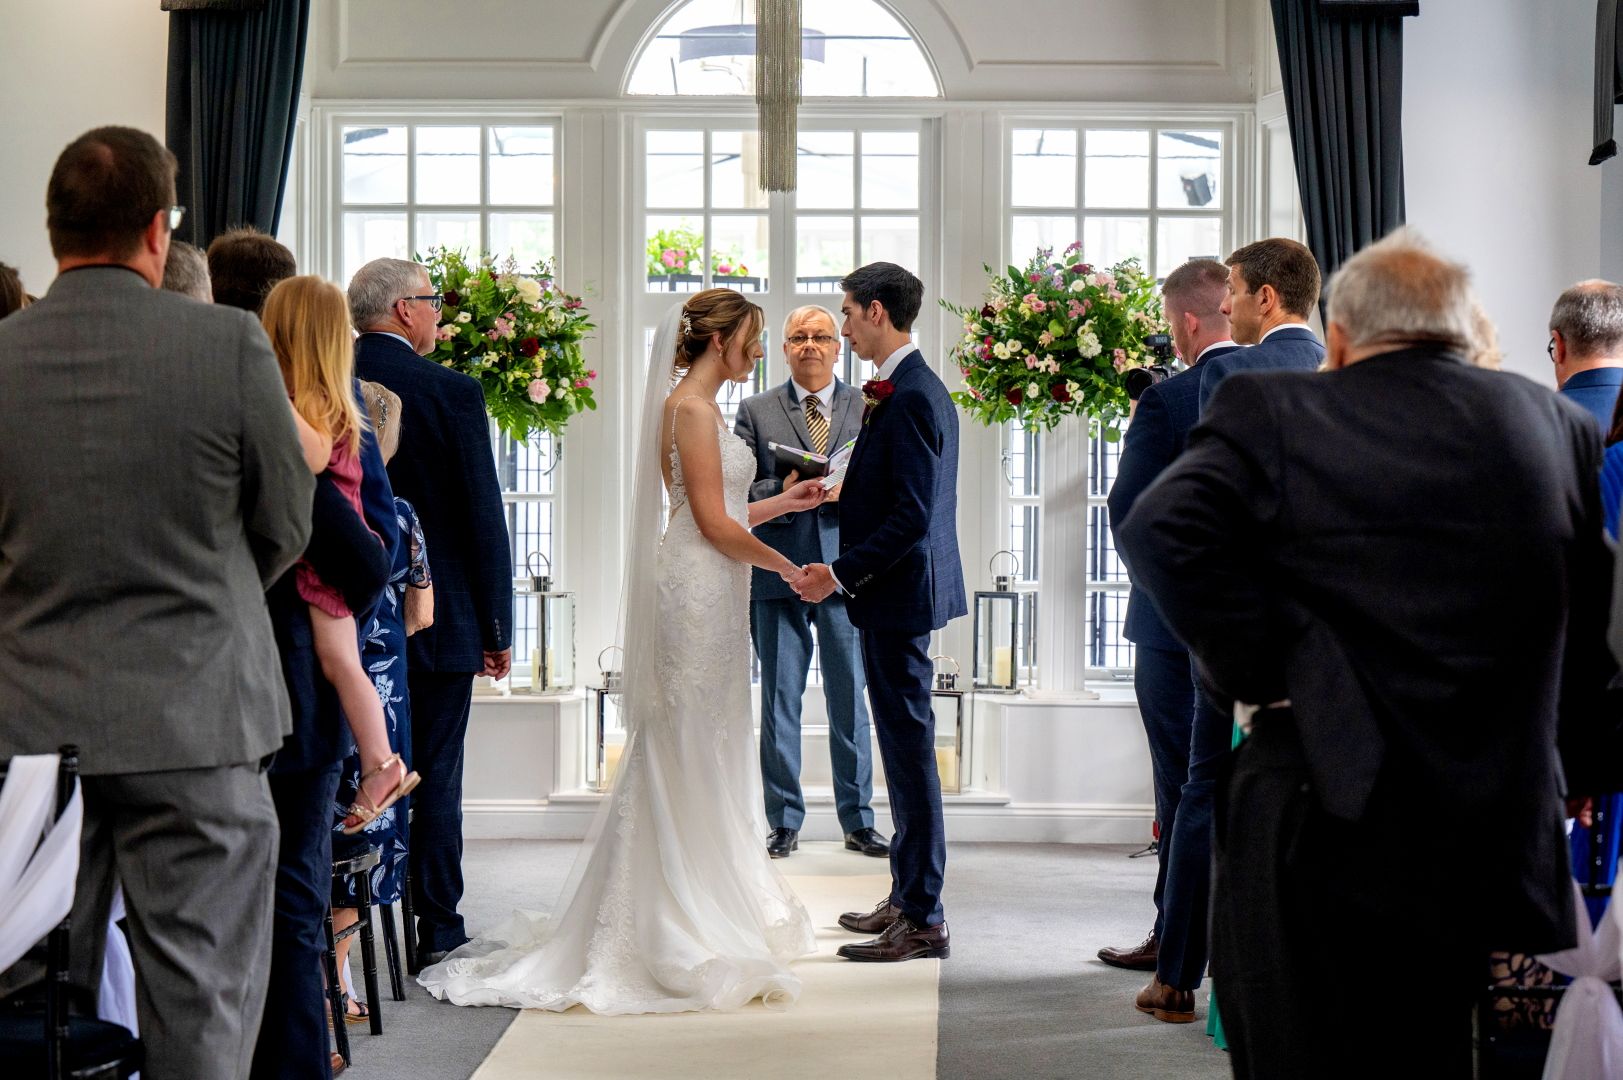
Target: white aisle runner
{"x": 852, "y": 1022}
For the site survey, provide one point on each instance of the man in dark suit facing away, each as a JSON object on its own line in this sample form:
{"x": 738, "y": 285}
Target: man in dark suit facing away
{"x": 1273, "y": 285}
{"x": 1586, "y": 348}
{"x": 444, "y": 468}
{"x": 1169, "y": 700}
{"x": 1390, "y": 569}
{"x": 902, "y": 578}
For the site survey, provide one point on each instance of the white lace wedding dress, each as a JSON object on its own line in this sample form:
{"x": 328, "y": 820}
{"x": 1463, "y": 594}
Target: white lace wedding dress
{"x": 677, "y": 906}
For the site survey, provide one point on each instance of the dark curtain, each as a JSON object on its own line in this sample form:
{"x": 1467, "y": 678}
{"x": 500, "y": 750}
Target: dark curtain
{"x": 234, "y": 79}
{"x": 1608, "y": 76}
{"x": 1343, "y": 73}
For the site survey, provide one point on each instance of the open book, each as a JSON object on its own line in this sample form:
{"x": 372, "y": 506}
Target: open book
{"x": 838, "y": 463}
{"x": 787, "y": 459}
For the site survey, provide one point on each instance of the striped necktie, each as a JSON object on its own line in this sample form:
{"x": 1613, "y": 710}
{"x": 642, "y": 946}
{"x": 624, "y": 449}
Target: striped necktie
{"x": 817, "y": 424}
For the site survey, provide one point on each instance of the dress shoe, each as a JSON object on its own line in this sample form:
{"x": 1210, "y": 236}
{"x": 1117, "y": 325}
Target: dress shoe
{"x": 1166, "y": 1003}
{"x": 869, "y": 842}
{"x": 1140, "y": 957}
{"x": 780, "y": 842}
{"x": 338, "y": 1063}
{"x": 871, "y": 922}
{"x": 901, "y": 941}
{"x": 425, "y": 959}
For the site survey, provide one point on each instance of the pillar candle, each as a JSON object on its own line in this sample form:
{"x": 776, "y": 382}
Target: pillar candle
{"x": 1002, "y": 665}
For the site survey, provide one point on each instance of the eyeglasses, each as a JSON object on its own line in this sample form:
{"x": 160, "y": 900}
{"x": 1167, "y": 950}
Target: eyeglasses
{"x": 1549, "y": 349}
{"x": 177, "y": 214}
{"x": 822, "y": 341}
{"x": 435, "y": 300}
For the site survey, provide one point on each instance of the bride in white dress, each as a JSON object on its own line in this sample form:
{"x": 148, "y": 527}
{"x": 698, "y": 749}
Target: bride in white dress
{"x": 673, "y": 905}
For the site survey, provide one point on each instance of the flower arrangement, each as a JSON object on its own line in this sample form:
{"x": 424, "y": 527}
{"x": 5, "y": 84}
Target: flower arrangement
{"x": 1054, "y": 340}
{"x": 518, "y": 335}
{"x": 681, "y": 251}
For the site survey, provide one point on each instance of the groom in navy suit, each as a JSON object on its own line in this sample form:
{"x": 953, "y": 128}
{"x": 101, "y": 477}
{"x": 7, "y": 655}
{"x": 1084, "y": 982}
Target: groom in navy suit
{"x": 901, "y": 575}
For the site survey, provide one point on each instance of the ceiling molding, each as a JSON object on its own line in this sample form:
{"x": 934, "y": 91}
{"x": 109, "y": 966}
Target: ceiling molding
{"x": 1202, "y": 67}
{"x": 345, "y": 57}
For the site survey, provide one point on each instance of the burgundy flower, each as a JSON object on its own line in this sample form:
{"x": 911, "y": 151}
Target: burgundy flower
{"x": 453, "y": 298}
{"x": 1079, "y": 268}
{"x": 1015, "y": 395}
{"x": 529, "y": 346}
{"x": 1060, "y": 393}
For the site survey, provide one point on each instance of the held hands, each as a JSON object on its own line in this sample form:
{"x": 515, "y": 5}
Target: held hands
{"x": 497, "y": 664}
{"x": 814, "y": 584}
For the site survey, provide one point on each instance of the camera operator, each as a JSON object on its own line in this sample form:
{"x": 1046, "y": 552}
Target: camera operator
{"x": 1168, "y": 697}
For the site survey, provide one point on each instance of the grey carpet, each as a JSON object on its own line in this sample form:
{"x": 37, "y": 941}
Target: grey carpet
{"x": 1021, "y": 996}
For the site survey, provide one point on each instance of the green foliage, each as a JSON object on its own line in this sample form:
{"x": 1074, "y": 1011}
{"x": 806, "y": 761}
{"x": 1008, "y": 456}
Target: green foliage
{"x": 681, "y": 251}
{"x": 1054, "y": 340}
{"x": 518, "y": 335}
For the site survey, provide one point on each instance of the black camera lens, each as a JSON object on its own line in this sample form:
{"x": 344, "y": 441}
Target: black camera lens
{"x": 1137, "y": 380}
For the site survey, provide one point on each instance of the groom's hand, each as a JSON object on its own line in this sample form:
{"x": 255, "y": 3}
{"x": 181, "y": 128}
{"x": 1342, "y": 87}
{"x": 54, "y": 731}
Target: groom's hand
{"x": 815, "y": 584}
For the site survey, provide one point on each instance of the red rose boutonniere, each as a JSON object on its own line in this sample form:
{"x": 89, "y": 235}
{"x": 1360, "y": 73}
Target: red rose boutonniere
{"x": 874, "y": 393}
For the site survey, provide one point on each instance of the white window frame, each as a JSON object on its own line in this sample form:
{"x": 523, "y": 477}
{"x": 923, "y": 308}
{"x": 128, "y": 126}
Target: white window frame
{"x": 1236, "y": 213}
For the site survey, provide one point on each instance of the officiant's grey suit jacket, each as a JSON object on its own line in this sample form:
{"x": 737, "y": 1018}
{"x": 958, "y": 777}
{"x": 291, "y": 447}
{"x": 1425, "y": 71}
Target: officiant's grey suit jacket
{"x": 814, "y": 535}
{"x": 151, "y": 486}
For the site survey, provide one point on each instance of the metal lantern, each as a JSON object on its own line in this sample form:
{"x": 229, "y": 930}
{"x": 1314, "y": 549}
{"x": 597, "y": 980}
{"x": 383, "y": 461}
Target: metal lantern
{"x": 952, "y": 747}
{"x": 997, "y": 628}
{"x": 552, "y": 661}
{"x": 600, "y": 767}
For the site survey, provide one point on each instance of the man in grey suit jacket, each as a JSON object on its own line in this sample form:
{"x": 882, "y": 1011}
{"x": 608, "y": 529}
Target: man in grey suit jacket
{"x": 151, "y": 487}
{"x": 812, "y": 411}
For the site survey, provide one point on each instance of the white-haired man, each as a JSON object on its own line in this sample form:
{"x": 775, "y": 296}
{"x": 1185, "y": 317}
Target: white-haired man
{"x": 1396, "y": 561}
{"x": 813, "y": 411}
{"x": 446, "y": 470}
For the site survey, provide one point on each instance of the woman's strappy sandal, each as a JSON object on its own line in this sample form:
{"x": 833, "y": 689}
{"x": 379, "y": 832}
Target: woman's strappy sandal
{"x": 369, "y": 814}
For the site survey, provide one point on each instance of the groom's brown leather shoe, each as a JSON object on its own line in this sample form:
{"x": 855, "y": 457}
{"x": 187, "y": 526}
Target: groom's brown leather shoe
{"x": 871, "y": 922}
{"x": 1140, "y": 957}
{"x": 1166, "y": 1003}
{"x": 901, "y": 941}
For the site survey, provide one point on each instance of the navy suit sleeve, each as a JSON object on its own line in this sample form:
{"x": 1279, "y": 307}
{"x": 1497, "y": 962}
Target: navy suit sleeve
{"x": 490, "y": 568}
{"x": 1148, "y": 449}
{"x": 916, "y": 463}
{"x": 1192, "y": 541}
{"x": 377, "y": 495}
{"x": 1212, "y": 372}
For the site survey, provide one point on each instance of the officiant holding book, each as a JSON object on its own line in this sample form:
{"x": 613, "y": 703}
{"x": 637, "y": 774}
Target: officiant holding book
{"x": 794, "y": 429}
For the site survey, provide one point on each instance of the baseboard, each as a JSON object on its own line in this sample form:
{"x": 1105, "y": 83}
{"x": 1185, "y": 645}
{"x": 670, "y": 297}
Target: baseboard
{"x": 970, "y": 817}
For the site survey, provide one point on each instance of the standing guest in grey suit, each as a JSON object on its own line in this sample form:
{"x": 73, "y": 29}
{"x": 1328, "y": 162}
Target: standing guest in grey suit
{"x": 1273, "y": 285}
{"x": 812, "y": 411}
{"x": 151, "y": 487}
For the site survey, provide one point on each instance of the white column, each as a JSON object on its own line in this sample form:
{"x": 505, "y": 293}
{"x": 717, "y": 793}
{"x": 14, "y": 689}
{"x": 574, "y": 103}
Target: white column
{"x": 1062, "y": 623}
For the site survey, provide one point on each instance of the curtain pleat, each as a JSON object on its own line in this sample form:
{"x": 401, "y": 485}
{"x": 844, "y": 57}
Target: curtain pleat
{"x": 1343, "y": 77}
{"x": 232, "y": 105}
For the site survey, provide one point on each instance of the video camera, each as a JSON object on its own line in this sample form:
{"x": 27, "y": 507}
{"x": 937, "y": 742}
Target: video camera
{"x": 1139, "y": 379}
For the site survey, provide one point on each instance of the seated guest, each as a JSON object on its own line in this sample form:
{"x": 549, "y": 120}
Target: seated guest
{"x": 187, "y": 272}
{"x": 12, "y": 296}
{"x": 245, "y": 264}
{"x": 1393, "y": 564}
{"x": 1273, "y": 285}
{"x": 1586, "y": 347}
{"x": 139, "y": 631}
{"x": 383, "y": 653}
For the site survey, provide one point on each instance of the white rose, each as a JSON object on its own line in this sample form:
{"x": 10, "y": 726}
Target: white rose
{"x": 1079, "y": 285}
{"x": 1001, "y": 351}
{"x": 560, "y": 392}
{"x": 1032, "y": 390}
{"x": 464, "y": 317}
{"x": 528, "y": 290}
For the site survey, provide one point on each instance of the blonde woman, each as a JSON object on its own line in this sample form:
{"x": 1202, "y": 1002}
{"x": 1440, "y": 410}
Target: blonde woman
{"x": 307, "y": 320}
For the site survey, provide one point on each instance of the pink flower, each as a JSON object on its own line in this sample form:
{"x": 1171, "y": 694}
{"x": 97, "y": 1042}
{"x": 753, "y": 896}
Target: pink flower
{"x": 581, "y": 384}
{"x": 1030, "y": 297}
{"x": 571, "y": 305}
{"x": 1031, "y": 361}
{"x": 668, "y": 257}
{"x": 1038, "y": 307}
{"x": 1120, "y": 363}
{"x": 591, "y": 375}
{"x": 538, "y": 390}
{"x": 1075, "y": 309}
{"x": 1102, "y": 279}
{"x": 1034, "y": 278}
{"x": 445, "y": 332}
{"x": 724, "y": 268}
{"x": 1075, "y": 245}
{"x": 1045, "y": 339}
{"x": 1116, "y": 294}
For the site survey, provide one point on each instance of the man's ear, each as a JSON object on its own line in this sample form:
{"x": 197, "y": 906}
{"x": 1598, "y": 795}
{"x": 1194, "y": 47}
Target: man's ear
{"x": 154, "y": 239}
{"x": 1336, "y": 348}
{"x": 1191, "y": 323}
{"x": 1267, "y": 299}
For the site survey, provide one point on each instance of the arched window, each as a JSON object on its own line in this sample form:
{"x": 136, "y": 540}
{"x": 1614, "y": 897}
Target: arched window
{"x": 849, "y": 48}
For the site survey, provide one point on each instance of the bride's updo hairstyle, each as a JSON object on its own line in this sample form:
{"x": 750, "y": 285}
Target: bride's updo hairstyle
{"x": 714, "y": 311}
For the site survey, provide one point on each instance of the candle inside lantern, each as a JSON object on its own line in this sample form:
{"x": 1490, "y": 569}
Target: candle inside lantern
{"x": 1002, "y": 666}
{"x": 946, "y": 766}
{"x": 552, "y": 672}
{"x": 611, "y": 761}
{"x": 535, "y": 671}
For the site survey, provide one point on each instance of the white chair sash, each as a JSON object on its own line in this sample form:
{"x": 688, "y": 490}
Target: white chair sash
{"x": 116, "y": 1002}
{"x": 39, "y": 854}
{"x": 1587, "y": 1043}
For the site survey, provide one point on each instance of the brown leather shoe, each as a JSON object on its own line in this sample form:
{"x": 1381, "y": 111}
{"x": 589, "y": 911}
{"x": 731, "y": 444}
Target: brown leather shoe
{"x": 871, "y": 922}
{"x": 1140, "y": 957}
{"x": 1165, "y": 1003}
{"x": 901, "y": 941}
{"x": 338, "y": 1063}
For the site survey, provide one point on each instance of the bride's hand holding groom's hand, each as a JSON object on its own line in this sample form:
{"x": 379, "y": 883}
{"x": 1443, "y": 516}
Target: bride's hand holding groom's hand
{"x": 815, "y": 583}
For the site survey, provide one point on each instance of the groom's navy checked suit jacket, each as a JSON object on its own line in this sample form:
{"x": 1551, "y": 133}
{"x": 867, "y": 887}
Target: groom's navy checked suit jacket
{"x": 899, "y": 557}
{"x": 1159, "y": 431}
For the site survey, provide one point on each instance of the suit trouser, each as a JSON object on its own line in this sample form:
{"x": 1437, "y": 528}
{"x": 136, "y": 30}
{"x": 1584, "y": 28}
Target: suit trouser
{"x": 1166, "y": 702}
{"x": 899, "y": 674}
{"x": 293, "y": 1036}
{"x": 439, "y": 726}
{"x": 195, "y": 852}
{"x": 1186, "y": 903}
{"x": 1307, "y": 912}
{"x": 782, "y": 633}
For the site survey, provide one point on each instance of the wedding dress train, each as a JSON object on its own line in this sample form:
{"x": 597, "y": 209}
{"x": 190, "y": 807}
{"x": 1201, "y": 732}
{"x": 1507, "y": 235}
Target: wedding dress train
{"x": 676, "y": 906}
